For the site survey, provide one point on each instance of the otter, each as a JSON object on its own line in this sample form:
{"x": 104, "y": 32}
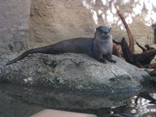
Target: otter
{"x": 99, "y": 47}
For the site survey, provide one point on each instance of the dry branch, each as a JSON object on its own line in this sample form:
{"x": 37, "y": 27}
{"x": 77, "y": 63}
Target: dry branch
{"x": 131, "y": 40}
{"x": 141, "y": 60}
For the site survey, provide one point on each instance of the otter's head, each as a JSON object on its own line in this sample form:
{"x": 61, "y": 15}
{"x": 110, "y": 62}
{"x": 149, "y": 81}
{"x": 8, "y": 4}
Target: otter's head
{"x": 103, "y": 32}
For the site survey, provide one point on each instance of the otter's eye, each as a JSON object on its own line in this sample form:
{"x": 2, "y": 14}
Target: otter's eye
{"x": 101, "y": 31}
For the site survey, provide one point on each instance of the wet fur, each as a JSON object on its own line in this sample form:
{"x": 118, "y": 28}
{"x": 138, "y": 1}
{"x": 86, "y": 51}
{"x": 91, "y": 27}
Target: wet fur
{"x": 99, "y": 47}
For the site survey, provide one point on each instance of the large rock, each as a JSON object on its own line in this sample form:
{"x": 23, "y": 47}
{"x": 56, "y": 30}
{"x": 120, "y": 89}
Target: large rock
{"x": 75, "y": 71}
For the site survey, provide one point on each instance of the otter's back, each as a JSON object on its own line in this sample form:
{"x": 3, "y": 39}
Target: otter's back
{"x": 77, "y": 45}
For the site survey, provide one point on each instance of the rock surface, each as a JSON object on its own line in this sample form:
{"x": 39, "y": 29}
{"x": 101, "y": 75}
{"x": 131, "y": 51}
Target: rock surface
{"x": 14, "y": 25}
{"x": 52, "y": 21}
{"x": 74, "y": 71}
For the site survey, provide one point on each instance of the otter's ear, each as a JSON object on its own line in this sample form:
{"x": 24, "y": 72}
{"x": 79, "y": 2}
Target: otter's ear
{"x": 97, "y": 29}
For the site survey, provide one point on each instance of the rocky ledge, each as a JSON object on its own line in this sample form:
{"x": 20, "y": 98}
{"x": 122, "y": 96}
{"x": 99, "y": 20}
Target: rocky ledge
{"x": 75, "y": 71}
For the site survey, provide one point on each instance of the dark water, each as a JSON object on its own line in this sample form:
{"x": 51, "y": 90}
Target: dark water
{"x": 22, "y": 101}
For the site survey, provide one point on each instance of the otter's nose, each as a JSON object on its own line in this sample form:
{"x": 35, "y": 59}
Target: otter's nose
{"x": 105, "y": 32}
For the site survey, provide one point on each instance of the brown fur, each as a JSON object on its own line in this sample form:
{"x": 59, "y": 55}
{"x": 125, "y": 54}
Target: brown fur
{"x": 99, "y": 47}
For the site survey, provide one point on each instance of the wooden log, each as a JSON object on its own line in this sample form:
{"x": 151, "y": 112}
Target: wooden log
{"x": 131, "y": 40}
{"x": 153, "y": 73}
{"x": 144, "y": 55}
{"x": 115, "y": 51}
{"x": 150, "y": 66}
{"x": 125, "y": 49}
{"x": 149, "y": 59}
{"x": 141, "y": 60}
{"x": 143, "y": 49}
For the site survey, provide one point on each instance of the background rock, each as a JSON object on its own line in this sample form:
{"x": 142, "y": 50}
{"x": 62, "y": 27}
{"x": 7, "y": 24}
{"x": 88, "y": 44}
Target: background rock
{"x": 35, "y": 23}
{"x": 52, "y": 21}
{"x": 75, "y": 71}
{"x": 14, "y": 25}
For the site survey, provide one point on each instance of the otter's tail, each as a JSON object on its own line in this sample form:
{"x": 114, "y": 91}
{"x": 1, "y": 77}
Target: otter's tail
{"x": 44, "y": 50}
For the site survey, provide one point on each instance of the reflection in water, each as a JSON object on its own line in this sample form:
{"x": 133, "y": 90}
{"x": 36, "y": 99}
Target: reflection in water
{"x": 143, "y": 8}
{"x": 20, "y": 101}
{"x": 142, "y": 105}
{"x": 54, "y": 98}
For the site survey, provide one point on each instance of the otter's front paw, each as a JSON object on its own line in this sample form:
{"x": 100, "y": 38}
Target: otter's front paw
{"x": 112, "y": 61}
{"x": 102, "y": 61}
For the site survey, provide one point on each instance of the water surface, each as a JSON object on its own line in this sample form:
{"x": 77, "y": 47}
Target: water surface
{"x": 23, "y": 101}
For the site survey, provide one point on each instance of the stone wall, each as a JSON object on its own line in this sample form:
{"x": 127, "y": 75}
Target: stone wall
{"x": 35, "y": 23}
{"x": 55, "y": 20}
{"x": 14, "y": 27}
{"x": 52, "y": 21}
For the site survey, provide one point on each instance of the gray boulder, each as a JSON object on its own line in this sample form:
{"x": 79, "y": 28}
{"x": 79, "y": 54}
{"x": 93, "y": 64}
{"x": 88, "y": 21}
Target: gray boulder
{"x": 75, "y": 71}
